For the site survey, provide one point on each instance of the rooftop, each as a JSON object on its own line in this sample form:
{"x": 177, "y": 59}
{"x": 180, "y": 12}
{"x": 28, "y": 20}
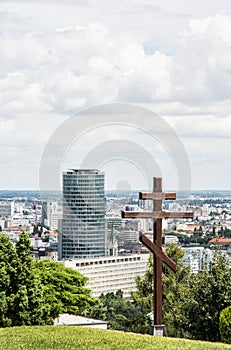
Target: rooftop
{"x": 73, "y": 320}
{"x": 220, "y": 240}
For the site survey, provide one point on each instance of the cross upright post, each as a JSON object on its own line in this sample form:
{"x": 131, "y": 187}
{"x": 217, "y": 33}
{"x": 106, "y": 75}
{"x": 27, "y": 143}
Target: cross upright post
{"x": 157, "y": 266}
{"x": 156, "y": 246}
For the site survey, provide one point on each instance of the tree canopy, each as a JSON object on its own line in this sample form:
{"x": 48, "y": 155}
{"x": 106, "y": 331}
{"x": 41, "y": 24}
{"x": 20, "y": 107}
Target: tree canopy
{"x": 121, "y": 314}
{"x": 208, "y": 294}
{"x": 64, "y": 288}
{"x": 192, "y": 303}
{"x": 21, "y": 293}
{"x": 174, "y": 286}
{"x": 35, "y": 292}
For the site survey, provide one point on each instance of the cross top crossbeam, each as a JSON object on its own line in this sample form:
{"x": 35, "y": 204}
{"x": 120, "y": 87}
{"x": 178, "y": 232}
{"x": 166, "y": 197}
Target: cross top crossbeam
{"x": 156, "y": 246}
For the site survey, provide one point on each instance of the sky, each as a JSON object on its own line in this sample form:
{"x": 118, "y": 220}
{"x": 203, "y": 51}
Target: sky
{"x": 171, "y": 58}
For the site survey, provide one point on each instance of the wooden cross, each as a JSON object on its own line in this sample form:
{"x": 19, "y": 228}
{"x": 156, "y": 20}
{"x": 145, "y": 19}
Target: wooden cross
{"x": 156, "y": 246}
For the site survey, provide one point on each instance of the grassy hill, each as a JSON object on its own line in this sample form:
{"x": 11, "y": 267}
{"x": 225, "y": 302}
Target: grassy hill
{"x": 70, "y": 338}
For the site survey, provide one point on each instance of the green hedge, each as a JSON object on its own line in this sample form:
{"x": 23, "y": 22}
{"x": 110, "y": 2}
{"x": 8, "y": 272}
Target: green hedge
{"x": 225, "y": 325}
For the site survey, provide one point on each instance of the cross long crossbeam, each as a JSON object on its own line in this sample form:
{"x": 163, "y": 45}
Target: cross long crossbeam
{"x": 156, "y": 215}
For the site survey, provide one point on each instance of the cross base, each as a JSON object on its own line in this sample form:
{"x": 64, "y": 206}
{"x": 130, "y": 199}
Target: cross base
{"x": 158, "y": 330}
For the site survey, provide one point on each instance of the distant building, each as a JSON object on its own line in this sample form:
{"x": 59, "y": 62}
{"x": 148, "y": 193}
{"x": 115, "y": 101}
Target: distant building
{"x": 83, "y": 224}
{"x": 170, "y": 239}
{"x": 128, "y": 236}
{"x": 113, "y": 225}
{"x": 205, "y": 210}
{"x": 6, "y": 209}
{"x": 197, "y": 212}
{"x": 111, "y": 273}
{"x": 51, "y": 214}
{"x": 197, "y": 258}
{"x": 221, "y": 241}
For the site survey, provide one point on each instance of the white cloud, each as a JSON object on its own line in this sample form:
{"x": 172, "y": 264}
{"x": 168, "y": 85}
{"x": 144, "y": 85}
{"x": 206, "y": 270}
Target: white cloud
{"x": 52, "y": 66}
{"x": 206, "y": 126}
{"x": 203, "y": 62}
{"x": 20, "y": 51}
{"x": 92, "y": 65}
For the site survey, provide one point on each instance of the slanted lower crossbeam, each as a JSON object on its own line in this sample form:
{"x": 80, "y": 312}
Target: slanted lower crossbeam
{"x": 158, "y": 252}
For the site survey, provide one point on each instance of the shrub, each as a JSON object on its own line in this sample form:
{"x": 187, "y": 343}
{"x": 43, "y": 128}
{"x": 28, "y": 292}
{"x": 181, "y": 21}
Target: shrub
{"x": 225, "y": 325}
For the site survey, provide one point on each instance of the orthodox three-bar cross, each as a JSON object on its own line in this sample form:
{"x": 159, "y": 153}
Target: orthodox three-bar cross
{"x": 156, "y": 246}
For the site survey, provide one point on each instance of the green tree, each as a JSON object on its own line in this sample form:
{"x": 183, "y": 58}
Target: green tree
{"x": 209, "y": 294}
{"x": 34, "y": 293}
{"x": 8, "y": 280}
{"x": 30, "y": 306}
{"x": 175, "y": 287}
{"x": 122, "y": 315}
{"x": 143, "y": 296}
{"x": 191, "y": 303}
{"x": 20, "y": 289}
{"x": 175, "y": 292}
{"x": 225, "y": 325}
{"x": 64, "y": 288}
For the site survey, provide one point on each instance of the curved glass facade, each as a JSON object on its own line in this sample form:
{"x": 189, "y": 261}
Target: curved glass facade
{"x": 83, "y": 224}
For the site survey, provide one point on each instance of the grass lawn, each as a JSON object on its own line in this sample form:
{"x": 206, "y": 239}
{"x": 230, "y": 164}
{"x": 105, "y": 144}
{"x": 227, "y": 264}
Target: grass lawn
{"x": 70, "y": 338}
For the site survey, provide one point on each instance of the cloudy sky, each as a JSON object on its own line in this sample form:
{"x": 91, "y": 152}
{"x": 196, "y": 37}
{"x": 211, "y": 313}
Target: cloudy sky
{"x": 171, "y": 57}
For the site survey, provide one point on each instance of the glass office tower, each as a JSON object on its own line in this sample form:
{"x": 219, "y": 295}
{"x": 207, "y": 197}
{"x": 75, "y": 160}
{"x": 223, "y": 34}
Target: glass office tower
{"x": 83, "y": 224}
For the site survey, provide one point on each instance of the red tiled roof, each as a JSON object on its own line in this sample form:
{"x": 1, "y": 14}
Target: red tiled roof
{"x": 220, "y": 240}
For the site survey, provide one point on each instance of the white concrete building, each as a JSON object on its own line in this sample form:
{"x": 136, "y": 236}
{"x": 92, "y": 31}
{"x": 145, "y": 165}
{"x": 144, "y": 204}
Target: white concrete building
{"x": 205, "y": 210}
{"x": 52, "y": 213}
{"x": 18, "y": 220}
{"x": 171, "y": 239}
{"x": 111, "y": 273}
{"x": 197, "y": 258}
{"x": 2, "y": 222}
{"x": 6, "y": 209}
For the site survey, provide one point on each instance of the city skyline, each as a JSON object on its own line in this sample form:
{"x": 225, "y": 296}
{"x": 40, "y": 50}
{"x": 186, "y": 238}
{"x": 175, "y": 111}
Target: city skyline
{"x": 59, "y": 59}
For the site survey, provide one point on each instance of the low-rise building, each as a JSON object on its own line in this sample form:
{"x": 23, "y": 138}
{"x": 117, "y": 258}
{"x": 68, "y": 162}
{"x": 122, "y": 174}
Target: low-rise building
{"x": 73, "y": 320}
{"x": 111, "y": 273}
{"x": 168, "y": 239}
